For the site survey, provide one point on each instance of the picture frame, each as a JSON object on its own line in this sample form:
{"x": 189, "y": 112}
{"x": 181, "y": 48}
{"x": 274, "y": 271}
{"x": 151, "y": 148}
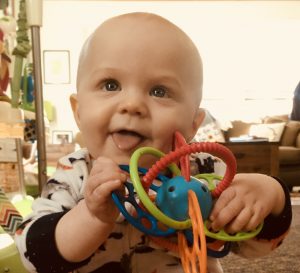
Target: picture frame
{"x": 56, "y": 66}
{"x": 62, "y": 137}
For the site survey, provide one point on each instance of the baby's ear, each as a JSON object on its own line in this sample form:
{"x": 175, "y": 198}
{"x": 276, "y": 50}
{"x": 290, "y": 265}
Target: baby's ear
{"x": 74, "y": 105}
{"x": 198, "y": 118}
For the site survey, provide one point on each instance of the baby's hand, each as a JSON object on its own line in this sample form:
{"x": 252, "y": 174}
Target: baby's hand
{"x": 247, "y": 202}
{"x": 105, "y": 177}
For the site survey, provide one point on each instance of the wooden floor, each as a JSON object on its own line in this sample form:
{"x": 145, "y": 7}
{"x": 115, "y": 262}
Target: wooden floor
{"x": 295, "y": 196}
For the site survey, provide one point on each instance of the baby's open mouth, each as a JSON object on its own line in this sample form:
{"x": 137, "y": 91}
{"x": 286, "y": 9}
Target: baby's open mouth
{"x": 127, "y": 140}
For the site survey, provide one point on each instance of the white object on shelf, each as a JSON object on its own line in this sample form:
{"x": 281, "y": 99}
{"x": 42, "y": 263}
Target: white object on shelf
{"x": 34, "y": 12}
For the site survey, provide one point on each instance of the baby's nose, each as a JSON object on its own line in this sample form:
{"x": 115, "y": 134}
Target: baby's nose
{"x": 133, "y": 104}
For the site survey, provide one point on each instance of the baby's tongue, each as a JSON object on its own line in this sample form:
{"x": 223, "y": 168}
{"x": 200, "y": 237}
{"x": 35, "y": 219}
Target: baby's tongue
{"x": 126, "y": 140}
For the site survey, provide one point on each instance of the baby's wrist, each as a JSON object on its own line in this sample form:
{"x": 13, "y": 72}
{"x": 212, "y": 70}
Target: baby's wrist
{"x": 280, "y": 198}
{"x": 275, "y": 225}
{"x": 94, "y": 219}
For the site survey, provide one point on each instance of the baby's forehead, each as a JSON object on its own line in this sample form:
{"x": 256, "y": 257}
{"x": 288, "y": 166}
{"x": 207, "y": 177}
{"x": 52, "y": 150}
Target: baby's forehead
{"x": 137, "y": 32}
{"x": 142, "y": 32}
{"x": 139, "y": 19}
{"x": 142, "y": 25}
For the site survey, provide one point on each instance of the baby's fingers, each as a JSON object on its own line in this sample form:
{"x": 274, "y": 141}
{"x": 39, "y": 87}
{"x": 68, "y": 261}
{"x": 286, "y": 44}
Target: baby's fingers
{"x": 104, "y": 178}
{"x": 240, "y": 222}
{"x": 224, "y": 217}
{"x": 224, "y": 209}
{"x": 247, "y": 220}
{"x": 255, "y": 220}
{"x": 104, "y": 190}
{"x": 225, "y": 198}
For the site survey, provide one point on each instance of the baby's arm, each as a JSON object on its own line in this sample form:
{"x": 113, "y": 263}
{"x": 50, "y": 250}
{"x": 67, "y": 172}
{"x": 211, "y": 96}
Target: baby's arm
{"x": 247, "y": 202}
{"x": 94, "y": 216}
{"x": 36, "y": 239}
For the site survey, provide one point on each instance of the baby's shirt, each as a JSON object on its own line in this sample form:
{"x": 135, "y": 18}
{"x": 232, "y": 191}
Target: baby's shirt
{"x": 126, "y": 249}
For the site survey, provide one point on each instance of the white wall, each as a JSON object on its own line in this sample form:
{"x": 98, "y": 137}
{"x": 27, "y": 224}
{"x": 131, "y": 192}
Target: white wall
{"x": 249, "y": 49}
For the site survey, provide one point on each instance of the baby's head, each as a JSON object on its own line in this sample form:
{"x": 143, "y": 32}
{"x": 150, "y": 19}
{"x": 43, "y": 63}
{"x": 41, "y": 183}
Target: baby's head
{"x": 139, "y": 80}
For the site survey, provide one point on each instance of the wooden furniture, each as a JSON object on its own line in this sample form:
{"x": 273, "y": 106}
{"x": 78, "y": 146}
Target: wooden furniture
{"x": 56, "y": 151}
{"x": 11, "y": 165}
{"x": 256, "y": 156}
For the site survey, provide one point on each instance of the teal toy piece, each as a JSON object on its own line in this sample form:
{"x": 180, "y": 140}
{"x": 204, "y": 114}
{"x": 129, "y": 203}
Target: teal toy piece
{"x": 172, "y": 197}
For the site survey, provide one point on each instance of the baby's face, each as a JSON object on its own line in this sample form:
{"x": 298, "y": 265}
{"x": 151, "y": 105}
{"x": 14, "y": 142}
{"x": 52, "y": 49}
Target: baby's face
{"x": 136, "y": 87}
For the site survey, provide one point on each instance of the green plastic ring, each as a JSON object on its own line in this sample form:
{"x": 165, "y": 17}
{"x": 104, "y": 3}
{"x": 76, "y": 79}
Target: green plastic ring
{"x": 209, "y": 177}
{"x": 224, "y": 236}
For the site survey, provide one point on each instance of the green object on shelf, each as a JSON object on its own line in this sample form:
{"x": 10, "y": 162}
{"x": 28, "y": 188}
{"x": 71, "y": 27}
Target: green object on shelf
{"x": 16, "y": 82}
{"x": 3, "y": 4}
{"x": 20, "y": 52}
{"x": 49, "y": 109}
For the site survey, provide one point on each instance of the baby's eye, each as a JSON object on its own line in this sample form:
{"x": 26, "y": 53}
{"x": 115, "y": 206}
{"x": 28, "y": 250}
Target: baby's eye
{"x": 158, "y": 91}
{"x": 111, "y": 85}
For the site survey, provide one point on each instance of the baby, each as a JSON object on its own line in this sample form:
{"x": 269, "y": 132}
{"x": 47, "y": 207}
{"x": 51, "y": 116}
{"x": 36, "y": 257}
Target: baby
{"x": 139, "y": 80}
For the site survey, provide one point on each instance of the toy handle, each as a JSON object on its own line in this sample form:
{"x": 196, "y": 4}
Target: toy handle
{"x": 213, "y": 148}
{"x": 141, "y": 217}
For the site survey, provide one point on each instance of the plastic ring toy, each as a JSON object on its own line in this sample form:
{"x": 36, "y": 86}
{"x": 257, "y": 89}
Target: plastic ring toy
{"x": 166, "y": 161}
{"x": 150, "y": 206}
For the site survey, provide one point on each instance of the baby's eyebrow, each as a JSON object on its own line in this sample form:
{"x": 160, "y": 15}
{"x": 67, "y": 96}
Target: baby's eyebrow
{"x": 104, "y": 70}
{"x": 169, "y": 79}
